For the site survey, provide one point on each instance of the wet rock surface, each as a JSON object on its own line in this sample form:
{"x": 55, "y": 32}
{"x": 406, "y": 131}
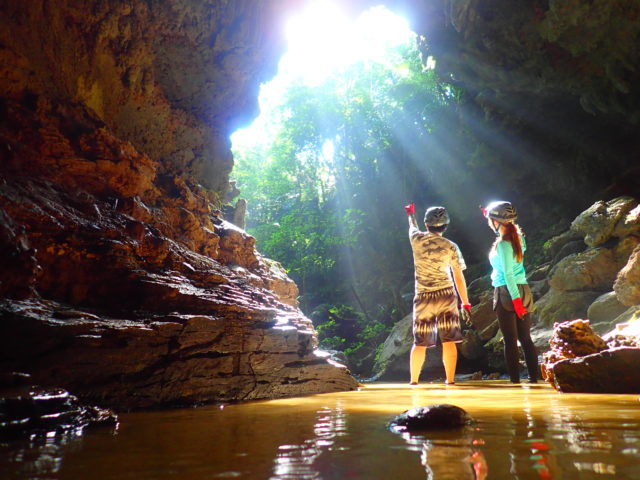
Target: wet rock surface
{"x": 432, "y": 417}
{"x": 26, "y": 411}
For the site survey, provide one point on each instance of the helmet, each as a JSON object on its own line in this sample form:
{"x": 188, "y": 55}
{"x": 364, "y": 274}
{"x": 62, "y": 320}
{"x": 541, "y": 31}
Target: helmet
{"x": 436, "y": 217}
{"x": 501, "y": 211}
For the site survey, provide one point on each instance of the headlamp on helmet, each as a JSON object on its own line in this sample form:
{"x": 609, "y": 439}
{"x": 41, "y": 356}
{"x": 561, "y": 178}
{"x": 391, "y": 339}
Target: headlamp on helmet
{"x": 503, "y": 212}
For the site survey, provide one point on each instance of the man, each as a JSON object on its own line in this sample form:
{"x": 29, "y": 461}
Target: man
{"x": 438, "y": 266}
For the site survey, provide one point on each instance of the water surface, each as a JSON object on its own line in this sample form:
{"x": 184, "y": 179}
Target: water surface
{"x": 523, "y": 432}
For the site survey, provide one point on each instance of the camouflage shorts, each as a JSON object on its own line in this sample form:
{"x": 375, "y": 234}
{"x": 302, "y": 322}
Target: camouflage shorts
{"x": 436, "y": 313}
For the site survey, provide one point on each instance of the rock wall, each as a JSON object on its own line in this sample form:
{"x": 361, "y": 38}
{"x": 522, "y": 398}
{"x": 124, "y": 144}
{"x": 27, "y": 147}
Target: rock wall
{"x": 173, "y": 78}
{"x": 121, "y": 281}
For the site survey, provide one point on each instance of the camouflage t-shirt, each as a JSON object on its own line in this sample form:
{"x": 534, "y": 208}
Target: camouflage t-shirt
{"x": 433, "y": 257}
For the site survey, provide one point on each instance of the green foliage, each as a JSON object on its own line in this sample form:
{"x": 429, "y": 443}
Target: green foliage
{"x": 325, "y": 194}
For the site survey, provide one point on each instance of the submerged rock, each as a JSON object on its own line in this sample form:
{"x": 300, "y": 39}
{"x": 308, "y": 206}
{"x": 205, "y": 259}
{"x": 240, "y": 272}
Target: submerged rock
{"x": 34, "y": 410}
{"x": 432, "y": 417}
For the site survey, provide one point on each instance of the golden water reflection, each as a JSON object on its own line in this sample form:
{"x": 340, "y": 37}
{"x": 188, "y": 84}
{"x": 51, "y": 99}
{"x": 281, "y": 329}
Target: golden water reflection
{"x": 522, "y": 432}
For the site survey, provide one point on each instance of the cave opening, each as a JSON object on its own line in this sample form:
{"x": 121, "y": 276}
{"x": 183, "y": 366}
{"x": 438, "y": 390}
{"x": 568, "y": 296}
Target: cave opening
{"x": 324, "y": 164}
{"x": 355, "y": 125}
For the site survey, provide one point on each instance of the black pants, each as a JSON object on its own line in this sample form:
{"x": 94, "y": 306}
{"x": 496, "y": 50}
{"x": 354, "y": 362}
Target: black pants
{"x": 514, "y": 329}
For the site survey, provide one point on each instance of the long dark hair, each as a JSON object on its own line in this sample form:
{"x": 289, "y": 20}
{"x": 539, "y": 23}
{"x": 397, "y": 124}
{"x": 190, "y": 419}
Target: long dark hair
{"x": 512, "y": 235}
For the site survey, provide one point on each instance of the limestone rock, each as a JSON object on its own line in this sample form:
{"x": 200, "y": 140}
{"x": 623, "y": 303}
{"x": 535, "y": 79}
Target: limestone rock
{"x": 626, "y": 332}
{"x": 560, "y": 306}
{"x": 539, "y": 288}
{"x": 392, "y": 364}
{"x": 598, "y": 223}
{"x": 173, "y": 88}
{"x": 126, "y": 285}
{"x": 279, "y": 282}
{"x": 592, "y": 270}
{"x": 20, "y": 267}
{"x": 539, "y": 273}
{"x": 603, "y": 311}
{"x": 393, "y": 359}
{"x": 570, "y": 248}
{"x": 570, "y": 339}
{"x": 227, "y": 352}
{"x": 554, "y": 245}
{"x": 575, "y": 338}
{"x": 483, "y": 317}
{"x": 471, "y": 346}
{"x": 629, "y": 224}
{"x": 478, "y": 288}
{"x": 541, "y": 335}
{"x": 627, "y": 284}
{"x": 611, "y": 371}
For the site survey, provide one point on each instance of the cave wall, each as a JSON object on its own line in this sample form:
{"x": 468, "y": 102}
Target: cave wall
{"x": 121, "y": 280}
{"x": 174, "y": 78}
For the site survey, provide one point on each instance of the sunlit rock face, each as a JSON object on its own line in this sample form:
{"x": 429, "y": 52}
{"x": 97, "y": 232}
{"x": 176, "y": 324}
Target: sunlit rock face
{"x": 121, "y": 281}
{"x": 582, "y": 361}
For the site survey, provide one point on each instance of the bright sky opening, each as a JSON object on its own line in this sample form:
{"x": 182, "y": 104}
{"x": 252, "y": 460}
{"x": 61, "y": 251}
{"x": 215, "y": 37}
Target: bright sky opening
{"x": 321, "y": 40}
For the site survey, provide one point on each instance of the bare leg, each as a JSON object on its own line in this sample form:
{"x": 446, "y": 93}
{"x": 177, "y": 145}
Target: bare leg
{"x": 450, "y": 359}
{"x": 418, "y": 354}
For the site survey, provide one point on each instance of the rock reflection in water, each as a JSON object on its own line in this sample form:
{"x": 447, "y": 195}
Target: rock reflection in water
{"x": 450, "y": 455}
{"x": 522, "y": 432}
{"x": 299, "y": 461}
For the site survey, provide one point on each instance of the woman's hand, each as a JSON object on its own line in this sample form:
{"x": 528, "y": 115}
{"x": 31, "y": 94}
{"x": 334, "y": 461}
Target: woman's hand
{"x": 519, "y": 308}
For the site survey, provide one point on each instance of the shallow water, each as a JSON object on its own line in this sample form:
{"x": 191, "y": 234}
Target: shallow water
{"x": 525, "y": 432}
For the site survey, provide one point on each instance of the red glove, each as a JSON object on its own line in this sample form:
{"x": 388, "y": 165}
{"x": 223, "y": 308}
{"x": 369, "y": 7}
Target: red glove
{"x": 467, "y": 307}
{"x": 410, "y": 209}
{"x": 519, "y": 308}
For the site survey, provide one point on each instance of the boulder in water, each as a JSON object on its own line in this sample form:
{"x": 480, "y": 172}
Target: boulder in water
{"x": 432, "y": 417}
{"x": 582, "y": 361}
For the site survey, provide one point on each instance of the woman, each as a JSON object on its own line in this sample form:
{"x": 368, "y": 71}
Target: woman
{"x": 512, "y": 299}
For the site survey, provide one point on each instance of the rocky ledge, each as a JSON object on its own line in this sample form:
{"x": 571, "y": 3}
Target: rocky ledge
{"x": 126, "y": 286}
{"x": 31, "y": 412}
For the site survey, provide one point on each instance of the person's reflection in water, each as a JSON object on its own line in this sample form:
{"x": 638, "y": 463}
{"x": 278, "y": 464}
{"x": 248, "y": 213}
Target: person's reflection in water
{"x": 453, "y": 461}
{"x": 529, "y": 449}
{"x": 451, "y": 455}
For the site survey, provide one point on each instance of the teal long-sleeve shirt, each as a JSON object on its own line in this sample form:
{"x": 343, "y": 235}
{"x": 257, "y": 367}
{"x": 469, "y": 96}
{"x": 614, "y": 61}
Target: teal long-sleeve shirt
{"x": 506, "y": 271}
